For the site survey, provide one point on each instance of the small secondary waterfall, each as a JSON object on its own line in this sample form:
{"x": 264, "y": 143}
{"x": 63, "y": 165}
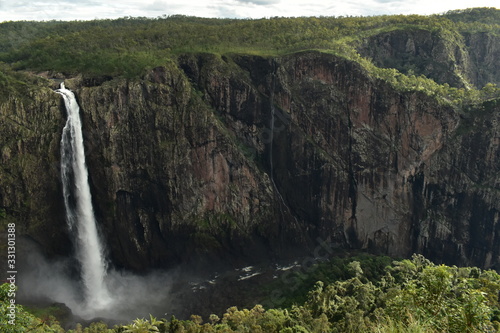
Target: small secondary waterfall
{"x": 271, "y": 139}
{"x": 79, "y": 210}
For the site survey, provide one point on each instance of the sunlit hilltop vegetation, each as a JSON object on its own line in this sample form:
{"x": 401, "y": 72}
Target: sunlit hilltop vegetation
{"x": 126, "y": 46}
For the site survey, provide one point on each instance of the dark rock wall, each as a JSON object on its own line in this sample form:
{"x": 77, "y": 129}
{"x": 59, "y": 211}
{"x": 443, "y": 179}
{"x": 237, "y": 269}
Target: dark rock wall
{"x": 170, "y": 182}
{"x": 484, "y": 52}
{"x": 445, "y": 57}
{"x": 458, "y": 201}
{"x": 30, "y": 189}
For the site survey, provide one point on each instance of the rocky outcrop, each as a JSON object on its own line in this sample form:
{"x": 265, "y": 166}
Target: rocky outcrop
{"x": 353, "y": 150}
{"x": 169, "y": 179}
{"x": 250, "y": 158}
{"x": 444, "y": 56}
{"x": 30, "y": 192}
{"x": 439, "y": 56}
{"x": 456, "y": 207}
{"x": 484, "y": 50}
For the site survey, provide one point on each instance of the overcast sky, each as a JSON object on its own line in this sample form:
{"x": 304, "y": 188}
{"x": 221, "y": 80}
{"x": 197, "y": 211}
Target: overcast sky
{"x": 14, "y": 10}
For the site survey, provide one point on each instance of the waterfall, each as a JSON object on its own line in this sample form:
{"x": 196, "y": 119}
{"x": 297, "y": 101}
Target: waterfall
{"x": 79, "y": 210}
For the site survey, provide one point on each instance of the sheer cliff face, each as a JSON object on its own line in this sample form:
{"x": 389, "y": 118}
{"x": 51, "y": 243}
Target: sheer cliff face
{"x": 247, "y": 157}
{"x": 460, "y": 61}
{"x": 456, "y": 195}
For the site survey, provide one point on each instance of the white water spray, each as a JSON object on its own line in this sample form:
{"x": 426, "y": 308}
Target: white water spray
{"x": 79, "y": 210}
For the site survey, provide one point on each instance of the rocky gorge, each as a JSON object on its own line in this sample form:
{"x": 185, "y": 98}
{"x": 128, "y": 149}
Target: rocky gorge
{"x": 247, "y": 158}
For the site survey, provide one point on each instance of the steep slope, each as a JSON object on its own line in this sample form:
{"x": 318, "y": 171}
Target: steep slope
{"x": 456, "y": 207}
{"x": 484, "y": 50}
{"x": 170, "y": 181}
{"x": 345, "y": 147}
{"x": 420, "y": 51}
{"x": 460, "y": 60}
{"x": 31, "y": 122}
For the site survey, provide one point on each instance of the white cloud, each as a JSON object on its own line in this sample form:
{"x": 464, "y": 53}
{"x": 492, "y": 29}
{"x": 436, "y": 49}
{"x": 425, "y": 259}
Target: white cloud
{"x": 260, "y": 2}
{"x": 90, "y": 9}
{"x": 157, "y": 5}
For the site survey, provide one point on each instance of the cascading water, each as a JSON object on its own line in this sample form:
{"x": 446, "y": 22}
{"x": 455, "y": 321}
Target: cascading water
{"x": 79, "y": 210}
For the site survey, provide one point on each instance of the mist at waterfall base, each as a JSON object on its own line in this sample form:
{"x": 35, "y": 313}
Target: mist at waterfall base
{"x": 91, "y": 290}
{"x": 44, "y": 282}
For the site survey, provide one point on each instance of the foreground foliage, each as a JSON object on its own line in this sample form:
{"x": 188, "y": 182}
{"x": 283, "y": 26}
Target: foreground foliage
{"x": 410, "y": 296}
{"x": 21, "y": 320}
